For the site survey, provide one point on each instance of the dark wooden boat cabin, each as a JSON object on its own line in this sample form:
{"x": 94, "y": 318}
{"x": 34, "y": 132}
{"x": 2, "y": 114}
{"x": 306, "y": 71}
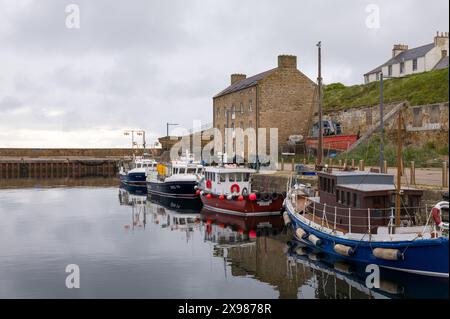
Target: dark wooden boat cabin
{"x": 356, "y": 196}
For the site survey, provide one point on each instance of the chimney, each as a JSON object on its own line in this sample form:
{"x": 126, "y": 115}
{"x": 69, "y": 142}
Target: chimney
{"x": 399, "y": 48}
{"x": 287, "y": 61}
{"x": 237, "y": 77}
{"x": 441, "y": 39}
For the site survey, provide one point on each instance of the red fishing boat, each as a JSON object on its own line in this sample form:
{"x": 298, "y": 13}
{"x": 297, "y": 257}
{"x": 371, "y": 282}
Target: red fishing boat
{"x": 227, "y": 189}
{"x": 333, "y": 139}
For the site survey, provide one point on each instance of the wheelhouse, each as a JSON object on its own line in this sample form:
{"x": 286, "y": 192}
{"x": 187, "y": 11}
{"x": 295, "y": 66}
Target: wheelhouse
{"x": 228, "y": 180}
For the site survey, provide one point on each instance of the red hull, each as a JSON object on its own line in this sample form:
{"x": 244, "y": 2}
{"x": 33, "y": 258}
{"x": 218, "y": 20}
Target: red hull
{"x": 241, "y": 223}
{"x": 336, "y": 142}
{"x": 245, "y": 207}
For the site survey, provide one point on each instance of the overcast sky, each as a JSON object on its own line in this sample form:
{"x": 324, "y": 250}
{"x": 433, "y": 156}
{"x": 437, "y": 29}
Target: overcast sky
{"x": 139, "y": 64}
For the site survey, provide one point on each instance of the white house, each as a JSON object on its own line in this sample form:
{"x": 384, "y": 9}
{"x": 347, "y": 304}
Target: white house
{"x": 406, "y": 61}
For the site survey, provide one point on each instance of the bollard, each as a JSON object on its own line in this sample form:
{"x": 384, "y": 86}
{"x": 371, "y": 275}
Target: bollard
{"x": 412, "y": 174}
{"x": 385, "y": 167}
{"x": 444, "y": 175}
{"x": 353, "y": 163}
{"x": 361, "y": 165}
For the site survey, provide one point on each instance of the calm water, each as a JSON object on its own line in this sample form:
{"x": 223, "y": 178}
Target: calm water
{"x": 129, "y": 247}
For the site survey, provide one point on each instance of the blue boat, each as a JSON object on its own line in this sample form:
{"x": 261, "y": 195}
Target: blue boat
{"x": 179, "y": 179}
{"x": 354, "y": 218}
{"x": 393, "y": 284}
{"x": 134, "y": 175}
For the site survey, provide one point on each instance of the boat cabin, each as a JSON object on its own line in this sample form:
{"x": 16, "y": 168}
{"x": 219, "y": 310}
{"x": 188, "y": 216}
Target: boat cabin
{"x": 228, "y": 180}
{"x": 355, "y": 198}
{"x": 357, "y": 189}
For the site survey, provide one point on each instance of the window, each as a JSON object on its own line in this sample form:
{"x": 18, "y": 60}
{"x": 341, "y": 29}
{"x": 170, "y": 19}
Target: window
{"x": 402, "y": 67}
{"x": 414, "y": 65}
{"x": 191, "y": 170}
{"x": 233, "y": 111}
{"x": 182, "y": 170}
{"x": 246, "y": 177}
{"x": 242, "y": 108}
{"x": 222, "y": 178}
{"x": 434, "y": 114}
{"x": 238, "y": 177}
{"x": 390, "y": 70}
{"x": 231, "y": 177}
{"x": 250, "y": 105}
{"x": 366, "y": 79}
{"x": 354, "y": 199}
{"x": 348, "y": 198}
{"x": 333, "y": 188}
{"x": 138, "y": 166}
{"x": 443, "y": 53}
{"x": 338, "y": 197}
{"x": 417, "y": 117}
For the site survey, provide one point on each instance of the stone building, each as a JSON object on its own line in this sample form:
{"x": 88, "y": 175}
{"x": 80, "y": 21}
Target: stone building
{"x": 282, "y": 97}
{"x": 407, "y": 61}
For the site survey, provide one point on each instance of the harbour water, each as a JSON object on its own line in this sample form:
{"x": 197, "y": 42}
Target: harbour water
{"x": 128, "y": 246}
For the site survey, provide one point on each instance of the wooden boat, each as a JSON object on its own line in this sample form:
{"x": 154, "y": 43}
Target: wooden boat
{"x": 353, "y": 217}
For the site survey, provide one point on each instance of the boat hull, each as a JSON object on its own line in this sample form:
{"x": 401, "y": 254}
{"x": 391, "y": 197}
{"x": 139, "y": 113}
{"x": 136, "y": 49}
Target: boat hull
{"x": 174, "y": 189}
{"x": 428, "y": 257}
{"x": 245, "y": 207}
{"x": 135, "y": 182}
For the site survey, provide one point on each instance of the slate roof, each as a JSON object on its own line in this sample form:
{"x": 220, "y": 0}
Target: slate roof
{"x": 246, "y": 83}
{"x": 442, "y": 64}
{"x": 405, "y": 56}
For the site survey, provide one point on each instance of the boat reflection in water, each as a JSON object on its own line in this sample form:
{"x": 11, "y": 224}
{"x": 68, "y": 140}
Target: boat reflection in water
{"x": 138, "y": 203}
{"x": 260, "y": 248}
{"x": 337, "y": 279}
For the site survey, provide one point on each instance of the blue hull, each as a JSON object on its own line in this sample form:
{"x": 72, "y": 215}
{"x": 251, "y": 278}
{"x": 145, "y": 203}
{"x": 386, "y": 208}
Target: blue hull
{"x": 406, "y": 285}
{"x": 179, "y": 189}
{"x": 134, "y": 181}
{"x": 424, "y": 257}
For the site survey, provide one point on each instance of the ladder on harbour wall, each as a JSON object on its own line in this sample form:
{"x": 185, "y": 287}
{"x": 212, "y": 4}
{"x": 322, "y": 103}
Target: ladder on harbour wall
{"x": 388, "y": 117}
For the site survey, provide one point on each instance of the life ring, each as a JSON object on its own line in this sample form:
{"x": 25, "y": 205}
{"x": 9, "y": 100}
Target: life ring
{"x": 245, "y": 191}
{"x": 235, "y": 187}
{"x": 436, "y": 213}
{"x": 208, "y": 183}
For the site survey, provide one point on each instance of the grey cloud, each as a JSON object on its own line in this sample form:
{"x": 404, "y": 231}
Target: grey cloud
{"x": 140, "y": 64}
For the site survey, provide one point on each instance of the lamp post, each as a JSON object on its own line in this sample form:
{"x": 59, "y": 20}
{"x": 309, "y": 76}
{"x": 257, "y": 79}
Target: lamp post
{"x": 382, "y": 123}
{"x": 139, "y": 133}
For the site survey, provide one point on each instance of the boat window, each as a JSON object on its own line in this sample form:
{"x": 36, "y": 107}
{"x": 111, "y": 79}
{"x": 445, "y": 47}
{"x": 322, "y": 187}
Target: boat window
{"x": 333, "y": 187}
{"x": 191, "y": 170}
{"x": 338, "y": 193}
{"x": 182, "y": 170}
{"x": 238, "y": 177}
{"x": 348, "y": 198}
{"x": 354, "y": 199}
{"x": 222, "y": 178}
{"x": 138, "y": 165}
{"x": 231, "y": 177}
{"x": 246, "y": 177}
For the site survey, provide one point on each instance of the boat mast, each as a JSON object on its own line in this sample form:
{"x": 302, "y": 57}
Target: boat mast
{"x": 319, "y": 84}
{"x": 399, "y": 169}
